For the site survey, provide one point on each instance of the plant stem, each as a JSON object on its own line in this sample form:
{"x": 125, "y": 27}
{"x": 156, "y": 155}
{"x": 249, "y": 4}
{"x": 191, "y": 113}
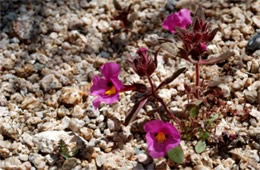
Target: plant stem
{"x": 162, "y": 102}
{"x": 167, "y": 110}
{"x": 151, "y": 83}
{"x": 197, "y": 79}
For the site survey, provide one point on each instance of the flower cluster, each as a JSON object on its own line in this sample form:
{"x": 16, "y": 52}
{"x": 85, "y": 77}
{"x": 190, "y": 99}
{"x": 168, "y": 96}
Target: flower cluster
{"x": 195, "y": 39}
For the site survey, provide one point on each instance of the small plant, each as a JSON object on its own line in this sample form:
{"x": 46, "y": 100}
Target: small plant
{"x": 163, "y": 138}
{"x": 64, "y": 151}
{"x": 122, "y": 14}
{"x": 195, "y": 41}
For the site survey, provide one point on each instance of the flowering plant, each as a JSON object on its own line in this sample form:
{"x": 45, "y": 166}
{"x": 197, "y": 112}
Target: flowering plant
{"x": 163, "y": 137}
{"x": 195, "y": 41}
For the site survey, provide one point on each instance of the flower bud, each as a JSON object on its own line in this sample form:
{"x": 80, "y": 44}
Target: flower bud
{"x": 143, "y": 64}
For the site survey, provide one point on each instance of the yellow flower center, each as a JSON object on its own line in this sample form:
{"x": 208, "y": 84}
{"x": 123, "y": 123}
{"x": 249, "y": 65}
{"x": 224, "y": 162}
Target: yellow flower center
{"x": 111, "y": 91}
{"x": 160, "y": 137}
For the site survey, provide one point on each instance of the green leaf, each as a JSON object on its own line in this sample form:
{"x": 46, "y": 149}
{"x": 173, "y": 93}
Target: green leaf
{"x": 176, "y": 155}
{"x": 200, "y": 146}
{"x": 63, "y": 149}
{"x": 196, "y": 102}
{"x": 194, "y": 111}
{"x": 204, "y": 135}
{"x": 212, "y": 118}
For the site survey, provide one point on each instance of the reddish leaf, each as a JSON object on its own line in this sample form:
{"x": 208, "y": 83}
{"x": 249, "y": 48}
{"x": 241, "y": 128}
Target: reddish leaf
{"x": 134, "y": 111}
{"x": 117, "y": 5}
{"x": 141, "y": 88}
{"x": 180, "y": 32}
{"x": 156, "y": 54}
{"x": 183, "y": 54}
{"x": 212, "y": 34}
{"x": 196, "y": 25}
{"x": 171, "y": 78}
{"x": 218, "y": 59}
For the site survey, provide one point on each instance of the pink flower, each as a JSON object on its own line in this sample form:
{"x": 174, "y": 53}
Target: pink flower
{"x": 161, "y": 137}
{"x": 107, "y": 89}
{"x": 180, "y": 19}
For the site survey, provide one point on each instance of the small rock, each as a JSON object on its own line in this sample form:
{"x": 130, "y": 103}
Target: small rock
{"x": 97, "y": 133}
{"x": 103, "y": 26}
{"x": 255, "y": 113}
{"x": 38, "y": 160}
{"x": 91, "y": 112}
{"x": 254, "y": 66}
{"x": 226, "y": 90}
{"x": 57, "y": 27}
{"x": 100, "y": 118}
{"x": 23, "y": 27}
{"x": 28, "y": 139}
{"x": 8, "y": 64}
{"x": 113, "y": 125}
{"x": 76, "y": 124}
{"x": 12, "y": 163}
{"x": 256, "y": 20}
{"x": 86, "y": 133}
{"x": 250, "y": 95}
{"x": 83, "y": 3}
{"x": 23, "y": 157}
{"x": 46, "y": 126}
{"x": 143, "y": 158}
{"x": 51, "y": 159}
{"x": 151, "y": 39}
{"x": 201, "y": 167}
{"x": 70, "y": 96}
{"x": 78, "y": 112}
{"x": 253, "y": 44}
{"x": 253, "y": 122}
{"x": 50, "y": 82}
{"x": 31, "y": 103}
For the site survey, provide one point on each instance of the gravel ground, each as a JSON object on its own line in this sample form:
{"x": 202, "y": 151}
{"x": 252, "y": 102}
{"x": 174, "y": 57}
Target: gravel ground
{"x": 50, "y": 50}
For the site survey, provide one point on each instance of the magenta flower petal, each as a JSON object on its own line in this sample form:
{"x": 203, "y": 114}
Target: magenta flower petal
{"x": 180, "y": 19}
{"x": 110, "y": 70}
{"x": 153, "y": 126}
{"x": 96, "y": 102}
{"x": 171, "y": 130}
{"x": 117, "y": 83}
{"x": 111, "y": 99}
{"x": 171, "y": 143}
{"x": 99, "y": 86}
{"x": 184, "y": 14}
{"x": 107, "y": 89}
{"x": 161, "y": 137}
